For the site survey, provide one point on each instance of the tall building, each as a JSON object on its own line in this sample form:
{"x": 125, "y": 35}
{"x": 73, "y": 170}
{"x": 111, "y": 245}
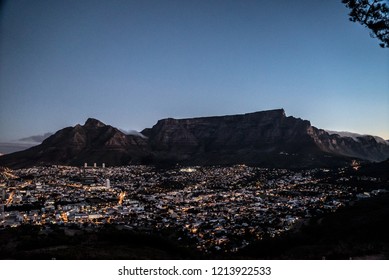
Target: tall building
{"x": 103, "y": 165}
{"x": 85, "y": 165}
{"x": 95, "y": 165}
{"x": 107, "y": 183}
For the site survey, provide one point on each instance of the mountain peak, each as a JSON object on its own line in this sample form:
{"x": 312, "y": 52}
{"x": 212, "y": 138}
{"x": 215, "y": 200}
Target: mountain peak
{"x": 265, "y": 138}
{"x": 91, "y": 122}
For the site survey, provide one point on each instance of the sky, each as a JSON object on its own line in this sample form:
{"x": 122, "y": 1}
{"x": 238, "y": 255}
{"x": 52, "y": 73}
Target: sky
{"x": 131, "y": 63}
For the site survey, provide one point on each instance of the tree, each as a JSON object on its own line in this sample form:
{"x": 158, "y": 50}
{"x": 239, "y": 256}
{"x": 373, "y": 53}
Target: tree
{"x": 373, "y": 14}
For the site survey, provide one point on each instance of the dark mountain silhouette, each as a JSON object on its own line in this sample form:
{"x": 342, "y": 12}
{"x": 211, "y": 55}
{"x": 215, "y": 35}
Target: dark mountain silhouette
{"x": 266, "y": 138}
{"x": 92, "y": 142}
{"x": 378, "y": 170}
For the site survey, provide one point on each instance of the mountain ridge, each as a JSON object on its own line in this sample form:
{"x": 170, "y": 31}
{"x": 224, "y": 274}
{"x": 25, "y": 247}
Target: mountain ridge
{"x": 265, "y": 138}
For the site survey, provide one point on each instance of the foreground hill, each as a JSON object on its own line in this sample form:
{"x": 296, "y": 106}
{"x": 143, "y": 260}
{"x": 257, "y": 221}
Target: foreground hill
{"x": 354, "y": 232}
{"x": 266, "y": 138}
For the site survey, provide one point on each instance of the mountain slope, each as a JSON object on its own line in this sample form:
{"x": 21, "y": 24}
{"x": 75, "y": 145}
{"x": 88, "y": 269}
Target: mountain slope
{"x": 266, "y": 138}
{"x": 263, "y": 138}
{"x": 91, "y": 142}
{"x": 367, "y": 147}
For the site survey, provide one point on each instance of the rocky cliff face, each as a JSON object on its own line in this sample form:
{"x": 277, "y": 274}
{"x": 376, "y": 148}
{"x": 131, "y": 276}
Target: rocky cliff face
{"x": 267, "y": 138}
{"x": 363, "y": 147}
{"x": 229, "y": 139}
{"x": 92, "y": 142}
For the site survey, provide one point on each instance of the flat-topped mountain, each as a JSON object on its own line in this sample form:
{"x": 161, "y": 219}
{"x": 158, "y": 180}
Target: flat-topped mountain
{"x": 255, "y": 138}
{"x": 266, "y": 138}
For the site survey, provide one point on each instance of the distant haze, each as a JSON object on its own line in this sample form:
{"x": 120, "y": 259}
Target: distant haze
{"x": 36, "y": 138}
{"x": 23, "y": 143}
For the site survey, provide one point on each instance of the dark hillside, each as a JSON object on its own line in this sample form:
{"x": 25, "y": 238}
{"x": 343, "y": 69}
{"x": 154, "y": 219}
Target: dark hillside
{"x": 357, "y": 232}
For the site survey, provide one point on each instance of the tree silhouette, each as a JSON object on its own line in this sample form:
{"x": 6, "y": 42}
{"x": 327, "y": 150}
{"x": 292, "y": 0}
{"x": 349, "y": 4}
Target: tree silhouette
{"x": 373, "y": 14}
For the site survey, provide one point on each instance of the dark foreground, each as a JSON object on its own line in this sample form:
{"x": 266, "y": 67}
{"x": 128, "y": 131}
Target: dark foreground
{"x": 359, "y": 231}
{"x": 356, "y": 232}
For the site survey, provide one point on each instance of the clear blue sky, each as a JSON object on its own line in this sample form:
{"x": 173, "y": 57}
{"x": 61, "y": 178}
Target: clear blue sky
{"x": 130, "y": 63}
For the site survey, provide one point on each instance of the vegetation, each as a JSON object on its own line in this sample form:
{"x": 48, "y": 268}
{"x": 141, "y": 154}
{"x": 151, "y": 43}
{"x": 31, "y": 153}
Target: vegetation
{"x": 374, "y": 14}
{"x": 73, "y": 243}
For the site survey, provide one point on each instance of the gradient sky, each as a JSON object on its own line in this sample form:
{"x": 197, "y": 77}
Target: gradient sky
{"x": 130, "y": 63}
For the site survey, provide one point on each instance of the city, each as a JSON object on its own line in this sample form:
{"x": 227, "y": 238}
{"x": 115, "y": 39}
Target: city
{"x": 216, "y": 209}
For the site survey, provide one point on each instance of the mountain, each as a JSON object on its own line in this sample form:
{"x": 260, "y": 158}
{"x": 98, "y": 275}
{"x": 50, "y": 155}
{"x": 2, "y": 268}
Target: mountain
{"x": 367, "y": 147}
{"x": 92, "y": 142}
{"x": 261, "y": 138}
{"x": 356, "y": 136}
{"x": 266, "y": 138}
